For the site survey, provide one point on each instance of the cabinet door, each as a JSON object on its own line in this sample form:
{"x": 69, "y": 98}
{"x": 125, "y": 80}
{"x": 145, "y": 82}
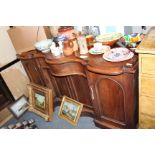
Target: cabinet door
{"x": 33, "y": 71}
{"x": 76, "y": 87}
{"x": 108, "y": 99}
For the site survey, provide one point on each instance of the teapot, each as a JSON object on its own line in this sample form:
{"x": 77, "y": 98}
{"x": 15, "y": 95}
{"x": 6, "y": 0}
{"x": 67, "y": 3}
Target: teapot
{"x": 68, "y": 47}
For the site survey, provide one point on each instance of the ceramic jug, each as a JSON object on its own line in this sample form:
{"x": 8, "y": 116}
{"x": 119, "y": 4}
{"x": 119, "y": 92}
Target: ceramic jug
{"x": 68, "y": 47}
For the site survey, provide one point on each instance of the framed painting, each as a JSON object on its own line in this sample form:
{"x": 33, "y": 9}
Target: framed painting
{"x": 41, "y": 101}
{"x": 70, "y": 110}
{"x": 19, "y": 107}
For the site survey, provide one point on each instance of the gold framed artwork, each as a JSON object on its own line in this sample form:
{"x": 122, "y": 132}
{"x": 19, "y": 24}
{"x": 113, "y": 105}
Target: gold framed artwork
{"x": 70, "y": 110}
{"x": 41, "y": 101}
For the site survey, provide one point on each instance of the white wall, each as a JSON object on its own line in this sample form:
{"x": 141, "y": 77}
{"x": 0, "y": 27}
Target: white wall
{"x": 106, "y": 29}
{"x": 7, "y": 50}
{"x": 121, "y": 29}
{"x": 138, "y": 29}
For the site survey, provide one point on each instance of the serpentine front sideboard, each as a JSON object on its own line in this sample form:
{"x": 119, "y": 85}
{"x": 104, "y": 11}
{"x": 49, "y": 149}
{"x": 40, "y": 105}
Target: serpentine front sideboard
{"x": 109, "y": 91}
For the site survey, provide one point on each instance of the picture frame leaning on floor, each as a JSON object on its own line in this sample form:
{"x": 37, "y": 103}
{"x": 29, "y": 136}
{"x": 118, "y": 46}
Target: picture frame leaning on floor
{"x": 70, "y": 110}
{"x": 41, "y": 101}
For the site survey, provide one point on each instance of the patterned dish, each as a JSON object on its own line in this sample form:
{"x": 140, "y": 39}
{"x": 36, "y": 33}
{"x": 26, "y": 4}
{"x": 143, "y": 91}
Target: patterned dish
{"x": 118, "y": 54}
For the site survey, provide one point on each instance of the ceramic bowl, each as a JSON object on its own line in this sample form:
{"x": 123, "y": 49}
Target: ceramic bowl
{"x": 44, "y": 45}
{"x": 109, "y": 38}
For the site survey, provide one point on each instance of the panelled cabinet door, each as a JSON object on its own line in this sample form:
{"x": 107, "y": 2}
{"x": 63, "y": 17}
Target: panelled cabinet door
{"x": 33, "y": 71}
{"x": 38, "y": 70}
{"x": 108, "y": 100}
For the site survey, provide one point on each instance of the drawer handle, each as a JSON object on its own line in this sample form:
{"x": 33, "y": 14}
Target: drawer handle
{"x": 92, "y": 93}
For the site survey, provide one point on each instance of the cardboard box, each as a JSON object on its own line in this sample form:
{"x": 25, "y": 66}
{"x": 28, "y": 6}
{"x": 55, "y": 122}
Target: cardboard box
{"x": 7, "y": 51}
{"x": 16, "y": 79}
{"x": 24, "y": 37}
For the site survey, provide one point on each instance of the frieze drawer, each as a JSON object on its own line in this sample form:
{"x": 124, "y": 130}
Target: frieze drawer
{"x": 148, "y": 64}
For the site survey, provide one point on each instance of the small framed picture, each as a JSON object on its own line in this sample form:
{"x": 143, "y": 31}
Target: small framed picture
{"x": 70, "y": 110}
{"x": 41, "y": 101}
{"x": 19, "y": 107}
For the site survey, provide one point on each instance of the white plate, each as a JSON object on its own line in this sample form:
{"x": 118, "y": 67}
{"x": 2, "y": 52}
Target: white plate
{"x": 126, "y": 57}
{"x": 105, "y": 49}
{"x": 93, "y": 51}
{"x": 83, "y": 56}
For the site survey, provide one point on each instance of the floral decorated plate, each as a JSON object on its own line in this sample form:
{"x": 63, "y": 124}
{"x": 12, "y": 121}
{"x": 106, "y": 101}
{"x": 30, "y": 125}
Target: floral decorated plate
{"x": 118, "y": 54}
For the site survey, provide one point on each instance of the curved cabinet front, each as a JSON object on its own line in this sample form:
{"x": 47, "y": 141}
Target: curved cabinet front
{"x": 108, "y": 90}
{"x": 113, "y": 105}
{"x": 69, "y": 68}
{"x": 71, "y": 81}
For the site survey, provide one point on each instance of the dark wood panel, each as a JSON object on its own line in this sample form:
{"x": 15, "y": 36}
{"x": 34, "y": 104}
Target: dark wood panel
{"x": 106, "y": 89}
{"x": 63, "y": 85}
{"x": 114, "y": 99}
{"x": 33, "y": 71}
{"x": 81, "y": 89}
{"x": 69, "y": 68}
{"x": 110, "y": 96}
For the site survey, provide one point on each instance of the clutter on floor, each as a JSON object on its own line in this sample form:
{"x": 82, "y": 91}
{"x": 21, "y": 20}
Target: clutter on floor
{"x": 84, "y": 122}
{"x": 25, "y": 124}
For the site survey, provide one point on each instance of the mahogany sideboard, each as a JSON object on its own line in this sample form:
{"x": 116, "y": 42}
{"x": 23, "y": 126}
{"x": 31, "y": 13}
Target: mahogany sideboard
{"x": 108, "y": 90}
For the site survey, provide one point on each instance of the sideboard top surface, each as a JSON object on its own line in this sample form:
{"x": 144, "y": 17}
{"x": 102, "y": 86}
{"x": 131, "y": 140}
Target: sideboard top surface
{"x": 96, "y": 63}
{"x": 93, "y": 63}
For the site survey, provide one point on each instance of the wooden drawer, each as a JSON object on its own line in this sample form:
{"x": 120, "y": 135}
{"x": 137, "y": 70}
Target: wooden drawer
{"x": 146, "y": 122}
{"x": 147, "y": 105}
{"x": 68, "y": 68}
{"x": 147, "y": 85}
{"x": 147, "y": 63}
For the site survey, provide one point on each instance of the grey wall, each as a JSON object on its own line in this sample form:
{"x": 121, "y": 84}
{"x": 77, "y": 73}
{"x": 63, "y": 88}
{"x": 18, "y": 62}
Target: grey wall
{"x": 135, "y": 29}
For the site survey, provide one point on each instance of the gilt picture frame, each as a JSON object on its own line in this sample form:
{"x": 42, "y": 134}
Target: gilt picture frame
{"x": 19, "y": 107}
{"x": 70, "y": 110}
{"x": 40, "y": 101}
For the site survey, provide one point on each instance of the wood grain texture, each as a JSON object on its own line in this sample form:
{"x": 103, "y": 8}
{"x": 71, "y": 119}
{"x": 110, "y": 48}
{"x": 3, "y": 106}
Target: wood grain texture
{"x": 115, "y": 99}
{"x": 147, "y": 105}
{"x": 147, "y": 62}
{"x": 146, "y": 121}
{"x": 146, "y": 52}
{"x": 147, "y": 86}
{"x": 106, "y": 89}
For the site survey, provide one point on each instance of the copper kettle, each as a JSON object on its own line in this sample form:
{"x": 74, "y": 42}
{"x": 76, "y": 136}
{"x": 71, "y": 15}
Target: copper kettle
{"x": 68, "y": 47}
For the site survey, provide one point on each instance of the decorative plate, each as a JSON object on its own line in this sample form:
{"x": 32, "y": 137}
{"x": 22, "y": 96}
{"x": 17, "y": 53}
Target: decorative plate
{"x": 104, "y": 49}
{"x": 93, "y": 51}
{"x": 118, "y": 54}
